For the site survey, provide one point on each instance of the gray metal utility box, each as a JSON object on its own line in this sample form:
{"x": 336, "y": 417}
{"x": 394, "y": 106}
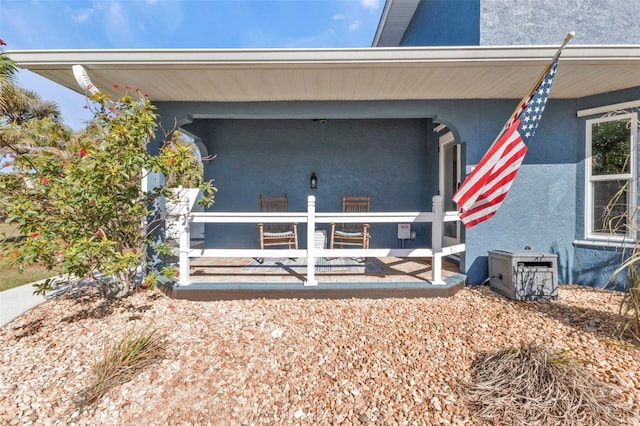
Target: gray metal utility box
{"x": 524, "y": 274}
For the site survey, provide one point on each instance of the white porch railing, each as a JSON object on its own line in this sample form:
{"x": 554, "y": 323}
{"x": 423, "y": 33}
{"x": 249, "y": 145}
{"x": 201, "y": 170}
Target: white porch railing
{"x": 437, "y": 217}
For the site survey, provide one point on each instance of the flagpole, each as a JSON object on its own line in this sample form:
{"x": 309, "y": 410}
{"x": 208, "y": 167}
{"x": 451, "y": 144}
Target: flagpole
{"x": 544, "y": 72}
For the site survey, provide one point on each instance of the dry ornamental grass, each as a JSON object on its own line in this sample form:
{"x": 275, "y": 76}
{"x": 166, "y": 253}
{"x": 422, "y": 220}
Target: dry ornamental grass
{"x": 530, "y": 386}
{"x": 129, "y": 356}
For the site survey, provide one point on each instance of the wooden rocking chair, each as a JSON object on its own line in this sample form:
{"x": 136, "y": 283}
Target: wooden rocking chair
{"x": 277, "y": 234}
{"x": 352, "y": 234}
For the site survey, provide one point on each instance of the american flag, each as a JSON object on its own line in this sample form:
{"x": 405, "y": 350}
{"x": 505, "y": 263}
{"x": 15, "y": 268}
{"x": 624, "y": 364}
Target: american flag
{"x": 486, "y": 187}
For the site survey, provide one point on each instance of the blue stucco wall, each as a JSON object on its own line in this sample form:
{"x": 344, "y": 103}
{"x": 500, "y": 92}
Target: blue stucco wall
{"x": 273, "y": 157}
{"x": 594, "y": 266}
{"x": 393, "y": 158}
{"x": 444, "y": 23}
{"x": 383, "y": 148}
{"x": 539, "y": 210}
{"x": 542, "y": 220}
{"x": 387, "y": 149}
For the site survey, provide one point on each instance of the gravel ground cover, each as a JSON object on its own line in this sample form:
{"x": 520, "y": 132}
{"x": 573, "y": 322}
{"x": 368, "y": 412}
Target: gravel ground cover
{"x": 316, "y": 362}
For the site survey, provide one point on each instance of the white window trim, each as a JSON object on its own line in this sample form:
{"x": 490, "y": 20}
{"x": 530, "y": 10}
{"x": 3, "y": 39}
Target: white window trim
{"x": 632, "y": 176}
{"x": 603, "y": 243}
{"x": 608, "y": 108}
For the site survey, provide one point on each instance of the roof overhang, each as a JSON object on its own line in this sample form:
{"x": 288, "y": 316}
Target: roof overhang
{"x": 395, "y": 19}
{"x": 425, "y": 73}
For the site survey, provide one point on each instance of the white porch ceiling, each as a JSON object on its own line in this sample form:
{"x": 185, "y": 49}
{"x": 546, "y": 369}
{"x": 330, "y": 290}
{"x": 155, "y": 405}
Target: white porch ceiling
{"x": 341, "y": 74}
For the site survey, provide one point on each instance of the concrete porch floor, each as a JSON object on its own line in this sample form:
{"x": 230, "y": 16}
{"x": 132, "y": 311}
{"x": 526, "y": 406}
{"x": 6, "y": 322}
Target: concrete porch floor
{"x": 228, "y": 278}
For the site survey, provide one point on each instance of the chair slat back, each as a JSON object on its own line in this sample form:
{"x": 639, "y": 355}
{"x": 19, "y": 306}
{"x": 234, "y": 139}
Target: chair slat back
{"x": 274, "y": 205}
{"x": 355, "y": 204}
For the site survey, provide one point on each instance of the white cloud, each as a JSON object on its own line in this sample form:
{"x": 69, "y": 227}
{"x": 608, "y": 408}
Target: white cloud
{"x": 370, "y": 4}
{"x": 118, "y": 26}
{"x": 326, "y": 38}
{"x": 338, "y": 17}
{"x": 83, "y": 16}
{"x": 115, "y": 13}
{"x": 355, "y": 25}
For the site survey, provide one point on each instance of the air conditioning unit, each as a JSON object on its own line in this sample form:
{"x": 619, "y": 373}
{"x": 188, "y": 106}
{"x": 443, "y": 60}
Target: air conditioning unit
{"x": 524, "y": 274}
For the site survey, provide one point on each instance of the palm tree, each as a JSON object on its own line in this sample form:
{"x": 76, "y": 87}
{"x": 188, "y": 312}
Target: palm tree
{"x": 20, "y": 105}
{"x": 7, "y": 72}
{"x": 23, "y": 114}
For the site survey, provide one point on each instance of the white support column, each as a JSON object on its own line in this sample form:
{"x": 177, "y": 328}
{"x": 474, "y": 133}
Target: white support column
{"x": 185, "y": 246}
{"x": 311, "y": 247}
{"x": 436, "y": 240}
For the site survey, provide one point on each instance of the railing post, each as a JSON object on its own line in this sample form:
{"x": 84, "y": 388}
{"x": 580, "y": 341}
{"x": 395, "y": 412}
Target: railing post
{"x": 311, "y": 247}
{"x": 436, "y": 240}
{"x": 185, "y": 247}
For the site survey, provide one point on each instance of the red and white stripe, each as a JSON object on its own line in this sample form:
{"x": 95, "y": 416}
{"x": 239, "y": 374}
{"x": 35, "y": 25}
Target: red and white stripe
{"x": 481, "y": 194}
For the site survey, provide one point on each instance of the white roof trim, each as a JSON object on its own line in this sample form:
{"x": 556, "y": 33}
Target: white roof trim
{"x": 394, "y": 21}
{"x": 463, "y": 54}
{"x": 423, "y": 73}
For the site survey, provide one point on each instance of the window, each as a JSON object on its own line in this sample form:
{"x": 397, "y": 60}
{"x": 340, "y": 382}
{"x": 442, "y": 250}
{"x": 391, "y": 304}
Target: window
{"x": 610, "y": 173}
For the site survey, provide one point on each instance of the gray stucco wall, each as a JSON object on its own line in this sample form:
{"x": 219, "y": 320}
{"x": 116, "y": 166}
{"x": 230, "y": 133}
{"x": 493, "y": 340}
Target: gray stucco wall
{"x": 527, "y": 22}
{"x": 523, "y": 22}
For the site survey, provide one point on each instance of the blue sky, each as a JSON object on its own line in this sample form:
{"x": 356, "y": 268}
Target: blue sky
{"x": 136, "y": 24}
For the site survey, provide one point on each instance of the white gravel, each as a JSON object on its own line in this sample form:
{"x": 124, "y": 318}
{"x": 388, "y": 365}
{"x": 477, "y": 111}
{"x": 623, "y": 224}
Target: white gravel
{"x": 315, "y": 362}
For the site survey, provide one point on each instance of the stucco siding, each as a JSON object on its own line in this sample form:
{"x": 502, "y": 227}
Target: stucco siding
{"x": 444, "y": 23}
{"x": 532, "y": 22}
{"x": 538, "y": 213}
{"x": 387, "y": 158}
{"x": 388, "y": 149}
{"x": 595, "y": 267}
{"x": 522, "y": 22}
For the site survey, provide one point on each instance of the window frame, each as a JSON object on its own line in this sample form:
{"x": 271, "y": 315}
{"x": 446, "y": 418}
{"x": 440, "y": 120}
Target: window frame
{"x": 630, "y": 177}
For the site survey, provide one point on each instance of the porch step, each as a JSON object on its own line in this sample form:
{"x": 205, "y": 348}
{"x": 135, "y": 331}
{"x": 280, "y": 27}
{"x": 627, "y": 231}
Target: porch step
{"x": 208, "y": 291}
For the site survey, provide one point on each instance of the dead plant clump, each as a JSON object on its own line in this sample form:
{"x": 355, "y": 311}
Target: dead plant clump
{"x": 136, "y": 350}
{"x": 530, "y": 386}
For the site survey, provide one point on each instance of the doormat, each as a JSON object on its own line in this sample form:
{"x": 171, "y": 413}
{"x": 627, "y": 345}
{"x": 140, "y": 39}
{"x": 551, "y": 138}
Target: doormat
{"x": 339, "y": 264}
